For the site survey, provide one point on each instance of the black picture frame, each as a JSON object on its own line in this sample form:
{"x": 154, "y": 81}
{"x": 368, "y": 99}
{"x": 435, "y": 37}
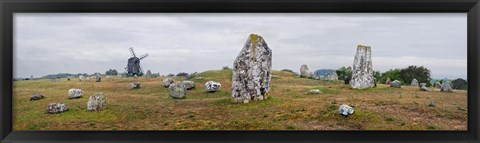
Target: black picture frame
{"x": 8, "y": 7}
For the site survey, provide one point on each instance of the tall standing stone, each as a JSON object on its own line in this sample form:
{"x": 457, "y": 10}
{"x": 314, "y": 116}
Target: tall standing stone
{"x": 304, "y": 72}
{"x": 362, "y": 73}
{"x": 252, "y": 71}
{"x": 414, "y": 82}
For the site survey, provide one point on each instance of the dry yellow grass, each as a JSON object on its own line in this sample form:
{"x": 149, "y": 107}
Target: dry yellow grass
{"x": 289, "y": 106}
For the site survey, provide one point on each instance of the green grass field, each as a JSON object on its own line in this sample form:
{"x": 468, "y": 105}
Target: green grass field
{"x": 288, "y": 107}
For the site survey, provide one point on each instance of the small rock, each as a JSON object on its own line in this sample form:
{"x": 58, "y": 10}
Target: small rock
{"x": 54, "y": 108}
{"x": 414, "y": 82}
{"x": 36, "y": 96}
{"x": 177, "y": 90}
{"x": 345, "y": 110}
{"x": 167, "y": 82}
{"x": 315, "y": 91}
{"x": 189, "y": 84}
{"x": 396, "y": 84}
{"x": 212, "y": 86}
{"x": 75, "y": 93}
{"x": 388, "y": 82}
{"x": 423, "y": 87}
{"x": 97, "y": 102}
{"x": 135, "y": 85}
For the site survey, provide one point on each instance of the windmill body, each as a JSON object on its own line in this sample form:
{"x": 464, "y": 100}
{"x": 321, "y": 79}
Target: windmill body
{"x": 133, "y": 66}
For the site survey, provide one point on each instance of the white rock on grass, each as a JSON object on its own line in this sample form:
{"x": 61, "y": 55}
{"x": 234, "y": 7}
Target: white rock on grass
{"x": 396, "y": 84}
{"x": 75, "y": 93}
{"x": 167, "y": 81}
{"x": 135, "y": 85}
{"x": 212, "y": 86}
{"x": 331, "y": 76}
{"x": 97, "y": 102}
{"x": 345, "y": 110}
{"x": 189, "y": 84}
{"x": 414, "y": 82}
{"x": 54, "y": 108}
{"x": 315, "y": 91}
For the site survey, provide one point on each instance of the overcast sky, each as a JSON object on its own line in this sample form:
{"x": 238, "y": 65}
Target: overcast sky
{"x": 87, "y": 43}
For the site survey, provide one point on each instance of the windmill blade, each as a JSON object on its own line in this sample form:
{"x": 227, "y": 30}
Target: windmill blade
{"x": 143, "y": 56}
{"x": 133, "y": 52}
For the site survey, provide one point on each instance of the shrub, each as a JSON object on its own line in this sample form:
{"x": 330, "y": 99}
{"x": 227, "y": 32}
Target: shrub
{"x": 225, "y": 68}
{"x": 459, "y": 84}
{"x": 344, "y": 71}
{"x": 421, "y": 73}
{"x": 393, "y": 74}
{"x": 184, "y": 74}
{"x": 111, "y": 72}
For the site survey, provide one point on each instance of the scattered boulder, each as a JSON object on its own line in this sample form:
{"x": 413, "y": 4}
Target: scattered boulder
{"x": 396, "y": 84}
{"x": 423, "y": 87}
{"x": 167, "y": 82}
{"x": 97, "y": 102}
{"x": 388, "y": 82}
{"x": 304, "y": 72}
{"x": 362, "y": 73}
{"x": 177, "y": 90}
{"x": 75, "y": 93}
{"x": 36, "y": 96}
{"x": 135, "y": 85}
{"x": 212, "y": 86}
{"x": 345, "y": 110}
{"x": 54, "y": 108}
{"x": 446, "y": 86}
{"x": 252, "y": 70}
{"x": 315, "y": 91}
{"x": 98, "y": 78}
{"x": 189, "y": 84}
{"x": 414, "y": 82}
{"x": 438, "y": 85}
{"x": 331, "y": 76}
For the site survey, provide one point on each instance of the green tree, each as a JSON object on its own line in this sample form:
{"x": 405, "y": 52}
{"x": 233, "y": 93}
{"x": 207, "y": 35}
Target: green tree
{"x": 393, "y": 74}
{"x": 344, "y": 71}
{"x": 459, "y": 84}
{"x": 111, "y": 72}
{"x": 421, "y": 73}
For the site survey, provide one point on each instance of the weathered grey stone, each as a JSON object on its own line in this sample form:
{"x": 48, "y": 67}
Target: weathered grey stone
{"x": 315, "y": 91}
{"x": 446, "y": 86}
{"x": 189, "y": 84}
{"x": 190, "y": 76}
{"x": 252, "y": 71}
{"x": 438, "y": 85}
{"x": 346, "y": 80}
{"x": 388, "y": 82}
{"x": 177, "y": 90}
{"x": 414, "y": 82}
{"x": 212, "y": 86}
{"x": 148, "y": 74}
{"x": 167, "y": 82}
{"x": 54, "y": 108}
{"x": 36, "y": 96}
{"x": 135, "y": 85}
{"x": 98, "y": 78}
{"x": 396, "y": 84}
{"x": 345, "y": 110}
{"x": 362, "y": 73}
{"x": 97, "y": 102}
{"x": 75, "y": 93}
{"x": 304, "y": 72}
{"x": 331, "y": 76}
{"x": 423, "y": 87}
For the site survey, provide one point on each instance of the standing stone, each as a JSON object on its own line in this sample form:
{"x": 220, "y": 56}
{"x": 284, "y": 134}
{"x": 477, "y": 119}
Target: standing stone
{"x": 345, "y": 110}
{"x": 304, "y": 72}
{"x": 331, "y": 76}
{"x": 98, "y": 78}
{"x": 54, "y": 108}
{"x": 177, "y": 90}
{"x": 36, "y": 96}
{"x": 388, "y": 82}
{"x": 212, "y": 86}
{"x": 446, "y": 86}
{"x": 148, "y": 74}
{"x": 252, "y": 71}
{"x": 414, "y": 82}
{"x": 189, "y": 84}
{"x": 396, "y": 84}
{"x": 97, "y": 102}
{"x": 167, "y": 82}
{"x": 423, "y": 87}
{"x": 135, "y": 85}
{"x": 346, "y": 80}
{"x": 81, "y": 78}
{"x": 362, "y": 73}
{"x": 75, "y": 93}
{"x": 438, "y": 85}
